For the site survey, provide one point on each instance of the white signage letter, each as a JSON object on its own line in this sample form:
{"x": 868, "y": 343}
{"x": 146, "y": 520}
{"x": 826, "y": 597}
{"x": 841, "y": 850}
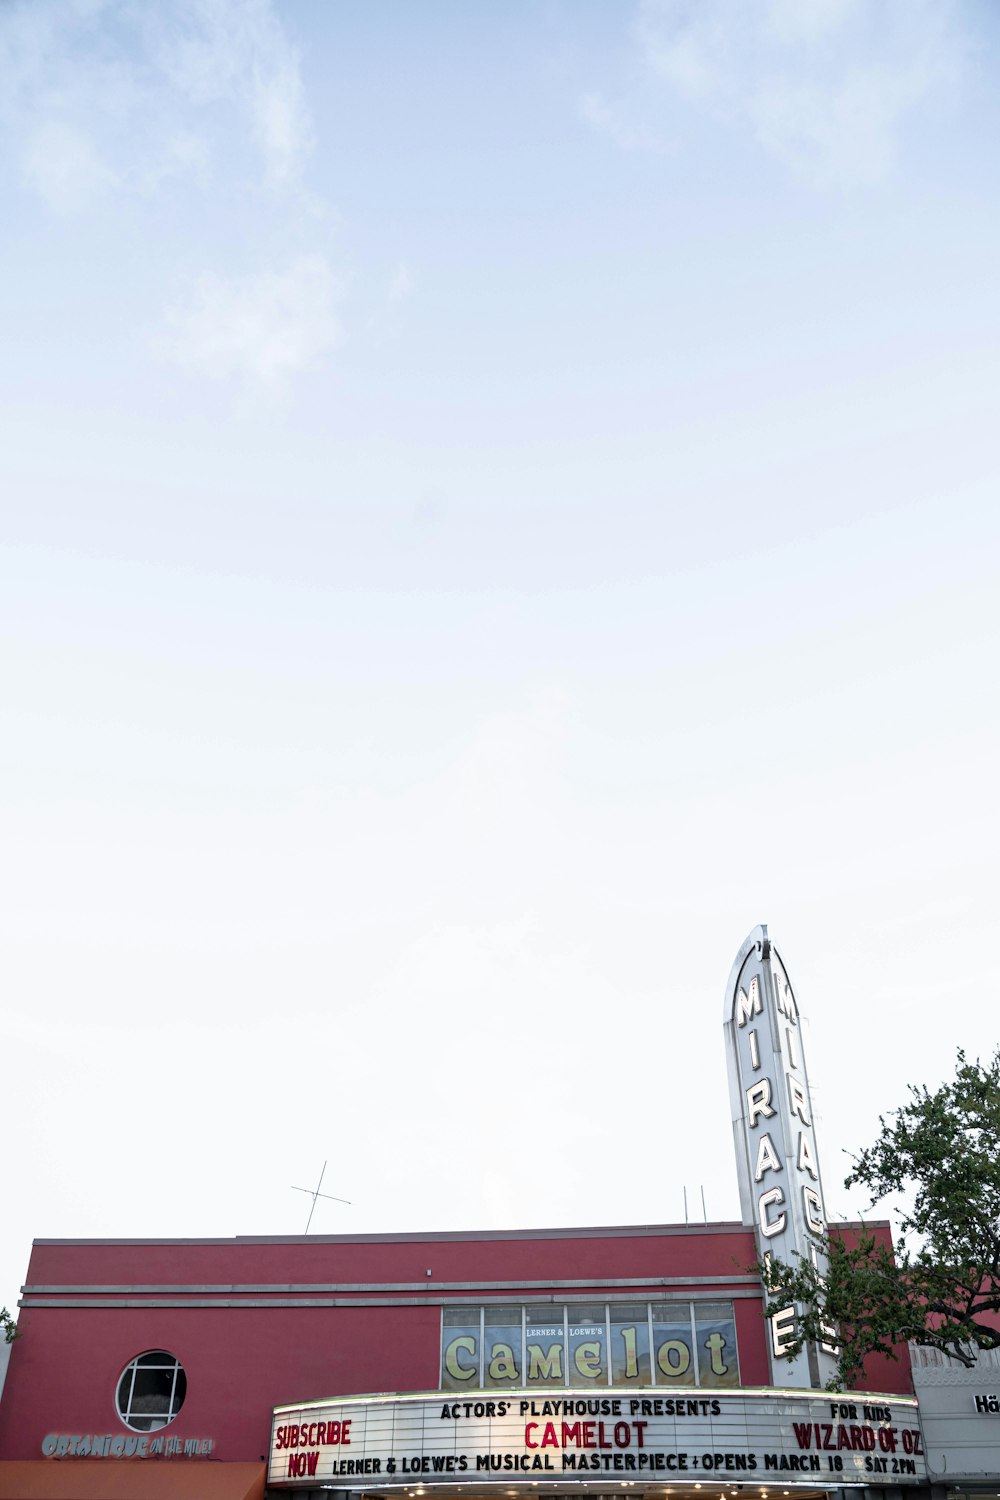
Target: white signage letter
{"x": 782, "y": 1330}
{"x": 748, "y": 1005}
{"x": 767, "y": 1158}
{"x": 770, "y": 1226}
{"x": 806, "y": 1163}
{"x": 759, "y": 1101}
{"x": 814, "y": 1210}
{"x": 797, "y": 1099}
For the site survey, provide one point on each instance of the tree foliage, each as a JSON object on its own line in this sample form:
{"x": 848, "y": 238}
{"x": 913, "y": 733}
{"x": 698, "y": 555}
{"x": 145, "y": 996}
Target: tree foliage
{"x": 8, "y": 1326}
{"x": 941, "y": 1286}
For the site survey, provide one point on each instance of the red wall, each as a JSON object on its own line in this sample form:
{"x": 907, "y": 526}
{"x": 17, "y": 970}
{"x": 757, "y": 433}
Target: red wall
{"x": 533, "y": 1255}
{"x": 242, "y": 1360}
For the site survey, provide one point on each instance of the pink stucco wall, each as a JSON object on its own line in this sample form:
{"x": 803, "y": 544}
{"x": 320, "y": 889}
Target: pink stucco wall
{"x": 243, "y": 1359}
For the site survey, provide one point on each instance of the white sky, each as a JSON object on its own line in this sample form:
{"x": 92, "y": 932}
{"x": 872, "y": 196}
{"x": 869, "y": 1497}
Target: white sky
{"x": 497, "y": 501}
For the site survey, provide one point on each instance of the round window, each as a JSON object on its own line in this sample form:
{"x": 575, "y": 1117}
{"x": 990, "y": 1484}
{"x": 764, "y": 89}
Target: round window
{"x": 151, "y": 1391}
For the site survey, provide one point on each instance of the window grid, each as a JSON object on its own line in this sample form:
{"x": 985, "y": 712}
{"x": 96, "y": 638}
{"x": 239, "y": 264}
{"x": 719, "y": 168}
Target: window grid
{"x": 151, "y": 1420}
{"x": 478, "y": 1317}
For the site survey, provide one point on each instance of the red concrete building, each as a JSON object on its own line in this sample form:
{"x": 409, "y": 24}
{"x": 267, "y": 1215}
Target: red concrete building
{"x": 232, "y": 1329}
{"x": 571, "y": 1361}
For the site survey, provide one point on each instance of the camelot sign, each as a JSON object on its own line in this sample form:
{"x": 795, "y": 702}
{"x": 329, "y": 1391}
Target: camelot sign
{"x": 572, "y": 1437}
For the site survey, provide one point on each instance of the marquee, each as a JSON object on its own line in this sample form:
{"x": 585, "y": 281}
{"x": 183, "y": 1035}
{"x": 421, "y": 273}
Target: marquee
{"x": 574, "y": 1437}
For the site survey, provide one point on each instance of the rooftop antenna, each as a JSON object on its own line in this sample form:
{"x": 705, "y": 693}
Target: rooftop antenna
{"x": 315, "y": 1193}
{"x": 704, "y": 1210}
{"x": 685, "y": 1205}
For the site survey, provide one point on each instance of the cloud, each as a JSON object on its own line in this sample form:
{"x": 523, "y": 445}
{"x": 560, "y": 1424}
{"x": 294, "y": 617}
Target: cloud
{"x": 384, "y": 321}
{"x": 401, "y": 284}
{"x": 259, "y": 330}
{"x": 825, "y": 86}
{"x": 280, "y": 120}
{"x": 612, "y": 119}
{"x": 181, "y": 156}
{"x": 105, "y": 90}
{"x": 236, "y": 52}
{"x": 103, "y": 101}
{"x": 64, "y": 168}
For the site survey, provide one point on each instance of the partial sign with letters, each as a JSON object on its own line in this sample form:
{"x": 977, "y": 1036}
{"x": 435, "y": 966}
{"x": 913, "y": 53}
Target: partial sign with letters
{"x": 780, "y": 1189}
{"x": 572, "y": 1437}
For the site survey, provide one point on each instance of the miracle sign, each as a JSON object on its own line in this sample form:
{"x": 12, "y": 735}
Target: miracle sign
{"x": 762, "y": 1436}
{"x": 780, "y": 1189}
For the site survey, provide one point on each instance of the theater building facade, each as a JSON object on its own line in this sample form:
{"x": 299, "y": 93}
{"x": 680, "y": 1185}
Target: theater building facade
{"x": 566, "y": 1362}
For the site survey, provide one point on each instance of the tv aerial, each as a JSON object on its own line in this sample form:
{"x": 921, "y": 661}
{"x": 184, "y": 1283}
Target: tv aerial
{"x": 315, "y": 1193}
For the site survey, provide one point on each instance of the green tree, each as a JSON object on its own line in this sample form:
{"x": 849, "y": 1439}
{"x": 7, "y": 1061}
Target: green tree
{"x": 940, "y": 1287}
{"x": 8, "y": 1325}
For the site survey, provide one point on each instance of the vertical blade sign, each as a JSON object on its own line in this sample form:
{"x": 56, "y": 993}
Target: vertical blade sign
{"x": 780, "y": 1190}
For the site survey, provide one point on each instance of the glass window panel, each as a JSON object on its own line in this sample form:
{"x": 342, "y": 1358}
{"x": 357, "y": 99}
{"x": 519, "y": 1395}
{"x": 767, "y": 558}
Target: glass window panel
{"x": 502, "y": 1347}
{"x": 151, "y": 1391}
{"x": 673, "y": 1362}
{"x": 139, "y": 1423}
{"x": 588, "y": 1344}
{"x": 460, "y": 1351}
{"x": 458, "y": 1317}
{"x": 545, "y": 1340}
{"x": 630, "y": 1343}
{"x": 715, "y": 1327}
{"x": 125, "y": 1391}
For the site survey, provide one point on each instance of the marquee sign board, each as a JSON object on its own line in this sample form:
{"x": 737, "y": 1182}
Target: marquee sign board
{"x": 572, "y": 1438}
{"x": 778, "y": 1165}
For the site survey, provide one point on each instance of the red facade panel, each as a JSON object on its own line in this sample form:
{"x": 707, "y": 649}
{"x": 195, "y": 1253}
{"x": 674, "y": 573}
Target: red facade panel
{"x": 260, "y": 1322}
